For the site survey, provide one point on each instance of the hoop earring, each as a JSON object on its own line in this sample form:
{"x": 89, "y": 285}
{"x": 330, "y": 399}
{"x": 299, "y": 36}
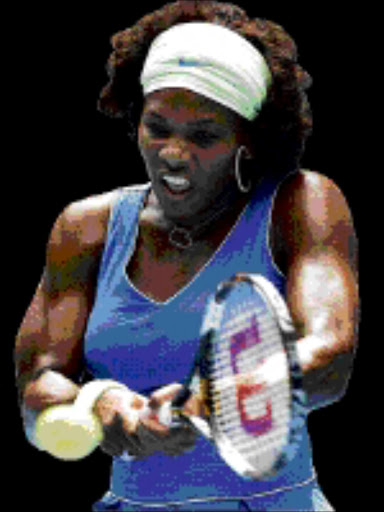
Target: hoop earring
{"x": 242, "y": 187}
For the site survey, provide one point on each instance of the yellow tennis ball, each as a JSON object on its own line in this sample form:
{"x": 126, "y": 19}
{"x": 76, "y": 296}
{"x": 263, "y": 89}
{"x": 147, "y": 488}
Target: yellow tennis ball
{"x": 68, "y": 432}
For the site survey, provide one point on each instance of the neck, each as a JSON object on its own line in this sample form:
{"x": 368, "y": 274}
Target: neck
{"x": 211, "y": 225}
{"x": 224, "y": 213}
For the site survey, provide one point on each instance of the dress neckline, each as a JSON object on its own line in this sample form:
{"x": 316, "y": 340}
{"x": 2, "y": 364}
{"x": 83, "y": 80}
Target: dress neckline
{"x": 196, "y": 276}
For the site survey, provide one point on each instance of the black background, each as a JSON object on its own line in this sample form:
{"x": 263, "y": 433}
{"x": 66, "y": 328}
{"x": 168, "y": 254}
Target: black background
{"x": 61, "y": 149}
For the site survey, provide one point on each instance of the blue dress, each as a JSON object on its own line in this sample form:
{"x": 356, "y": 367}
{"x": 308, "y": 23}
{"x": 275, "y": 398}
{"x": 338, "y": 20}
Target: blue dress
{"x": 147, "y": 344}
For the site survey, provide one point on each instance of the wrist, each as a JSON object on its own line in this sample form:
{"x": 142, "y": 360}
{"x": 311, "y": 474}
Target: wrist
{"x": 91, "y": 393}
{"x": 122, "y": 402}
{"x": 312, "y": 351}
{"x": 29, "y": 417}
{"x": 48, "y": 388}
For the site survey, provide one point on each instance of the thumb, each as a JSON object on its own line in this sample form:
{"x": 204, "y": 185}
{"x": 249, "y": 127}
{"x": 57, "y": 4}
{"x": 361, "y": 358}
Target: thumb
{"x": 164, "y": 394}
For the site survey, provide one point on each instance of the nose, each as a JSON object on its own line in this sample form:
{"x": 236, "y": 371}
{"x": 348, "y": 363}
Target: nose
{"x": 175, "y": 153}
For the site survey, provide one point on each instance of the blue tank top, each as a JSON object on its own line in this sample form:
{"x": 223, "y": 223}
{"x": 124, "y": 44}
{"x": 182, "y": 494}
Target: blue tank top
{"x": 147, "y": 344}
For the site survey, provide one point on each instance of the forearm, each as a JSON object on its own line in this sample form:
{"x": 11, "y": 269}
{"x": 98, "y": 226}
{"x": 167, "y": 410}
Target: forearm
{"x": 323, "y": 299}
{"x": 326, "y": 370}
{"x": 50, "y": 388}
{"x": 46, "y": 389}
{"x": 54, "y": 389}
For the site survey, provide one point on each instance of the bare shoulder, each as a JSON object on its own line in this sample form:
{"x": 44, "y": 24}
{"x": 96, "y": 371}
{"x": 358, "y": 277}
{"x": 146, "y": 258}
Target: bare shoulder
{"x": 306, "y": 184}
{"x": 313, "y": 198}
{"x": 88, "y": 217}
{"x": 310, "y": 211}
{"x": 77, "y": 240}
{"x": 85, "y": 221}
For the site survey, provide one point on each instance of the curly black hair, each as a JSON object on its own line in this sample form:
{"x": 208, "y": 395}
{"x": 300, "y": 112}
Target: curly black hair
{"x": 282, "y": 127}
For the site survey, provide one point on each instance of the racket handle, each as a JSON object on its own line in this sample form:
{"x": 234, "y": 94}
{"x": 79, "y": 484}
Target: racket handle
{"x": 182, "y": 396}
{"x": 170, "y": 412}
{"x": 171, "y": 417}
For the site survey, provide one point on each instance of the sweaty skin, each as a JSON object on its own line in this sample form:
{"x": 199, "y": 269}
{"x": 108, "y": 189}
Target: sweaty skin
{"x": 312, "y": 241}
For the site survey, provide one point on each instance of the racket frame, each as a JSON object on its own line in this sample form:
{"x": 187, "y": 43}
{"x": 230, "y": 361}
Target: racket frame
{"x": 279, "y": 311}
{"x": 211, "y": 323}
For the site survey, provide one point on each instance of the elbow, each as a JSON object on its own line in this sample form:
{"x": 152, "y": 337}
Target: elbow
{"x": 328, "y": 385}
{"x": 322, "y": 397}
{"x": 29, "y": 419}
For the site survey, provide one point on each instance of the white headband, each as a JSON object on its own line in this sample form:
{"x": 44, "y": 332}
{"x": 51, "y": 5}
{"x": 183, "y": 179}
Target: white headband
{"x": 211, "y": 60}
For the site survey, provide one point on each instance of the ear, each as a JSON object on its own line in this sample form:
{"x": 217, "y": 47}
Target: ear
{"x": 248, "y": 153}
{"x": 245, "y": 140}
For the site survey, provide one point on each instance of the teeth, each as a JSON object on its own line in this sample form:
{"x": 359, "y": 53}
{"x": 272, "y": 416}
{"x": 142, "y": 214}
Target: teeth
{"x": 176, "y": 180}
{"x": 176, "y": 183}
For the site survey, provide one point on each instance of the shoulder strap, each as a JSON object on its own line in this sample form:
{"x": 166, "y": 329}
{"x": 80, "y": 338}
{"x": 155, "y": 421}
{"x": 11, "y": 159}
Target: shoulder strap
{"x": 122, "y": 229}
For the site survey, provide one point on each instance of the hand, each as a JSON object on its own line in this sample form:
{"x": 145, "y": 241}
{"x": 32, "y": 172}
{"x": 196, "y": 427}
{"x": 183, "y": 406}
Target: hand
{"x": 119, "y": 411}
{"x": 131, "y": 423}
{"x": 174, "y": 439}
{"x": 50, "y": 388}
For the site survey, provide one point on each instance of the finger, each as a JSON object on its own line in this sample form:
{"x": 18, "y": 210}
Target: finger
{"x": 181, "y": 438}
{"x": 128, "y": 432}
{"x": 111, "y": 449}
{"x": 138, "y": 401}
{"x": 194, "y": 406}
{"x": 153, "y": 441}
{"x": 130, "y": 420}
{"x": 159, "y": 419}
{"x": 113, "y": 441}
{"x": 143, "y": 443}
{"x": 116, "y": 439}
{"x": 178, "y": 448}
{"x": 183, "y": 434}
{"x": 149, "y": 439}
{"x": 164, "y": 394}
{"x": 151, "y": 421}
{"x": 134, "y": 446}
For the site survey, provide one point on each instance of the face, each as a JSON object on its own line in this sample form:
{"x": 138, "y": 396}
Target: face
{"x": 189, "y": 144}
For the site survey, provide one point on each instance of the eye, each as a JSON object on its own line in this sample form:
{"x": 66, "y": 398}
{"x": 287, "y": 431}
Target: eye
{"x": 204, "y": 138}
{"x": 157, "y": 129}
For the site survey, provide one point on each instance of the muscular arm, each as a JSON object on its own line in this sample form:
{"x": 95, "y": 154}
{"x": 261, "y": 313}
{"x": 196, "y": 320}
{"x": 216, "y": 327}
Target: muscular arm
{"x": 51, "y": 337}
{"x": 51, "y": 333}
{"x": 315, "y": 244}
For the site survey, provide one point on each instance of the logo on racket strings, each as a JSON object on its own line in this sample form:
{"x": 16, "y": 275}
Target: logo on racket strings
{"x": 241, "y": 342}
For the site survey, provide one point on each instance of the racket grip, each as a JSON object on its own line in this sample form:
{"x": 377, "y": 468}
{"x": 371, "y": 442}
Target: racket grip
{"x": 182, "y": 396}
{"x": 169, "y": 412}
{"x": 168, "y": 417}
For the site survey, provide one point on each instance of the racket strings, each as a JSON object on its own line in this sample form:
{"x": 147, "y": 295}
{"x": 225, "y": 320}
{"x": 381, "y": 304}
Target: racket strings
{"x": 222, "y": 374}
{"x": 255, "y": 332}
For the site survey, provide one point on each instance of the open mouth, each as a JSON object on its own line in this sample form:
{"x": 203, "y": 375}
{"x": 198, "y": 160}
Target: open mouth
{"x": 176, "y": 184}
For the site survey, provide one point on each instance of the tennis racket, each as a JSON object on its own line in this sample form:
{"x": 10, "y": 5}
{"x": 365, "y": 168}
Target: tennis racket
{"x": 248, "y": 366}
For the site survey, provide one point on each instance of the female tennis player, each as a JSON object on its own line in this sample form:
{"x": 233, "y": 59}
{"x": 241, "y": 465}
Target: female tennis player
{"x": 219, "y": 106}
